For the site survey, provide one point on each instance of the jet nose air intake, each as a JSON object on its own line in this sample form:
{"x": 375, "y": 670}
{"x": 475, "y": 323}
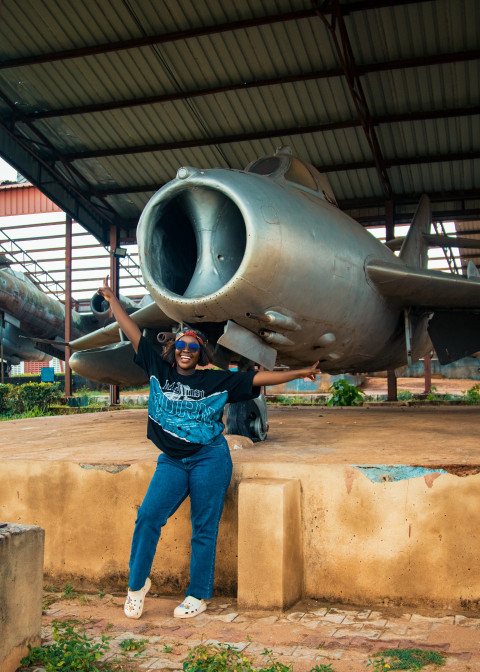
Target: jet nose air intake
{"x": 199, "y": 240}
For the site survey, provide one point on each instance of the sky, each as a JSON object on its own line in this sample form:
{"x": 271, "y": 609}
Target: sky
{"x": 6, "y": 171}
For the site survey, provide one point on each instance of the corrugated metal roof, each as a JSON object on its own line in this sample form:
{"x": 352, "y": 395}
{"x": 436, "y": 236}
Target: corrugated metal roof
{"x": 113, "y": 97}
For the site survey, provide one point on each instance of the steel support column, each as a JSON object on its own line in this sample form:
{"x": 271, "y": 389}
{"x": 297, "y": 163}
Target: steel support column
{"x": 68, "y": 303}
{"x": 427, "y": 368}
{"x": 389, "y": 235}
{"x": 114, "y": 284}
{"x": 2, "y": 372}
{"x": 391, "y": 385}
{"x": 389, "y": 220}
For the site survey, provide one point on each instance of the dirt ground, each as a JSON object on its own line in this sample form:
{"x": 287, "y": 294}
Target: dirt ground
{"x": 378, "y": 385}
{"x": 374, "y": 385}
{"x": 311, "y": 434}
{"x": 310, "y": 636}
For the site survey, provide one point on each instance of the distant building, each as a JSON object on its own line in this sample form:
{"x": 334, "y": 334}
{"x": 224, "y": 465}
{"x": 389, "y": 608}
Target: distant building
{"x": 35, "y": 367}
{"x": 18, "y": 369}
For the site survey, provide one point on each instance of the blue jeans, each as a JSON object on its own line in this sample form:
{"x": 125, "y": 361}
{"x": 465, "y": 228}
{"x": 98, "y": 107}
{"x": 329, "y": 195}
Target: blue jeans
{"x": 204, "y": 476}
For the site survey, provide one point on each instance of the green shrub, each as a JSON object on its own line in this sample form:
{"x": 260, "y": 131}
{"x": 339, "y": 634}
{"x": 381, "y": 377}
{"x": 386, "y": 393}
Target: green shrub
{"x": 344, "y": 394}
{"x": 404, "y": 395}
{"x": 433, "y": 395}
{"x": 472, "y": 396}
{"x": 291, "y": 400}
{"x": 71, "y": 650}
{"x": 36, "y": 395}
{"x": 6, "y": 398}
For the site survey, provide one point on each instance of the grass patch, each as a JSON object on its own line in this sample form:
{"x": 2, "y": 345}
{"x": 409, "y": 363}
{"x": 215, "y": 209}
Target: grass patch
{"x": 71, "y": 650}
{"x": 405, "y": 659}
{"x": 225, "y": 658}
{"x": 133, "y": 644}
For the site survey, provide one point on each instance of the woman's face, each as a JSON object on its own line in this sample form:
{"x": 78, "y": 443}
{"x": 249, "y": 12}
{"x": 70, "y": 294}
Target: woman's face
{"x": 186, "y": 360}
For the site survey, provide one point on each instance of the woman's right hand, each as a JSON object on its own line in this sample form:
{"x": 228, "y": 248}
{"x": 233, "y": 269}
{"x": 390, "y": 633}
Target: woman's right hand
{"x": 106, "y": 291}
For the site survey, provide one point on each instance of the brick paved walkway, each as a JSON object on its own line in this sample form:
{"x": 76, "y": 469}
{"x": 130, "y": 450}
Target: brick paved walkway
{"x": 306, "y": 636}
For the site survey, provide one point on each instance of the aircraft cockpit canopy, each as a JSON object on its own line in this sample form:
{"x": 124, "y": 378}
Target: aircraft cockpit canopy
{"x": 293, "y": 170}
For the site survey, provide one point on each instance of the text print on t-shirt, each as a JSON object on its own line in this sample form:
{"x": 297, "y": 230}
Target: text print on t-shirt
{"x": 200, "y": 417}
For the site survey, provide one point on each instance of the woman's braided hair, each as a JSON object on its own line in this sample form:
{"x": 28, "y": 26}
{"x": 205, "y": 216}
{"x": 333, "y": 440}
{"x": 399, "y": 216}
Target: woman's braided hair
{"x": 204, "y": 358}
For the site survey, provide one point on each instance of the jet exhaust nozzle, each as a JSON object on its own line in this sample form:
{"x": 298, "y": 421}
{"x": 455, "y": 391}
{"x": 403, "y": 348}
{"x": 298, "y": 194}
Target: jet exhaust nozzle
{"x": 101, "y": 308}
{"x": 165, "y": 336}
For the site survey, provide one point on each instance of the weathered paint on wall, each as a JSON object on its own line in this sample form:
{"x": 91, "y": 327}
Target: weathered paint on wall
{"x": 468, "y": 367}
{"x": 381, "y": 473}
{"x": 305, "y": 386}
{"x": 21, "y": 590}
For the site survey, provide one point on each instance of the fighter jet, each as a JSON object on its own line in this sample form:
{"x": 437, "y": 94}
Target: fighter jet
{"x": 33, "y": 324}
{"x": 267, "y": 265}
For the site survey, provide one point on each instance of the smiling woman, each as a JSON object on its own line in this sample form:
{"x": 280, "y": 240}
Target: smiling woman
{"x": 185, "y": 422}
{"x": 187, "y": 351}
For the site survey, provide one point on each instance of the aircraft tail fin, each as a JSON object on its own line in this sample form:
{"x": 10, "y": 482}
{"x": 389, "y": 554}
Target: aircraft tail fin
{"x": 472, "y": 270}
{"x": 414, "y": 250}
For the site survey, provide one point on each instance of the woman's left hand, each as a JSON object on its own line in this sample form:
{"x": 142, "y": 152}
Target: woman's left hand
{"x": 279, "y": 377}
{"x": 311, "y": 372}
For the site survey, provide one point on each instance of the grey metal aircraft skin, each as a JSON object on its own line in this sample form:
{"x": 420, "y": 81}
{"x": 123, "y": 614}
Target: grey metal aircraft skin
{"x": 266, "y": 264}
{"x": 34, "y": 323}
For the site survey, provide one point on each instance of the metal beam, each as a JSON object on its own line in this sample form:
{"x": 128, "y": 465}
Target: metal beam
{"x": 339, "y": 34}
{"x": 411, "y": 199}
{"x": 400, "y": 161}
{"x": 201, "y": 31}
{"x": 422, "y": 61}
{"x": 203, "y": 142}
{"x": 265, "y": 134}
{"x": 149, "y": 40}
{"x": 330, "y": 168}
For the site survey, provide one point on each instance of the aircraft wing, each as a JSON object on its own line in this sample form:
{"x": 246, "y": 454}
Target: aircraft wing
{"x": 454, "y": 301}
{"x": 420, "y": 287}
{"x": 148, "y": 317}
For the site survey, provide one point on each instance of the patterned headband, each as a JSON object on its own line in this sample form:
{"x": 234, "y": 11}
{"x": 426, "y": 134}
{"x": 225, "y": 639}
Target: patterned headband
{"x": 190, "y": 333}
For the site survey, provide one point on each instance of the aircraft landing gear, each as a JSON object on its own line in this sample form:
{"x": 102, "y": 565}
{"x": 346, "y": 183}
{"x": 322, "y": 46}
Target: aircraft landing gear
{"x": 248, "y": 418}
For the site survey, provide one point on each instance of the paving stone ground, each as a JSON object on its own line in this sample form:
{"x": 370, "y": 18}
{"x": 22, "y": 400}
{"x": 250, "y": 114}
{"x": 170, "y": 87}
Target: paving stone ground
{"x": 308, "y": 635}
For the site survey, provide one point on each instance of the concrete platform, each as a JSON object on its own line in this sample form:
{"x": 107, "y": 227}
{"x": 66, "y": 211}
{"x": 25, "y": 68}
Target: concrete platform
{"x": 382, "y": 434}
{"x": 388, "y": 500}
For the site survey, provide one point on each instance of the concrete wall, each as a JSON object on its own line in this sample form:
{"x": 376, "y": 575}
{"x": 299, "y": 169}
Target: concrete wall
{"x": 410, "y": 536}
{"x": 321, "y": 385}
{"x": 21, "y": 589}
{"x": 467, "y": 367}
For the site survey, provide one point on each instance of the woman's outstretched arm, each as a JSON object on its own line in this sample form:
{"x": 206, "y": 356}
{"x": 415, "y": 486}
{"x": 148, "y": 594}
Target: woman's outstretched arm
{"x": 125, "y": 322}
{"x": 279, "y": 377}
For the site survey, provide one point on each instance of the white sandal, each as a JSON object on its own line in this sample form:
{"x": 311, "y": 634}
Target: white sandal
{"x": 190, "y": 607}
{"x": 135, "y": 600}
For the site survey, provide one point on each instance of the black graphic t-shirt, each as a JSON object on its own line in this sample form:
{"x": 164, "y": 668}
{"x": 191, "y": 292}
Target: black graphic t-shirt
{"x": 185, "y": 411}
